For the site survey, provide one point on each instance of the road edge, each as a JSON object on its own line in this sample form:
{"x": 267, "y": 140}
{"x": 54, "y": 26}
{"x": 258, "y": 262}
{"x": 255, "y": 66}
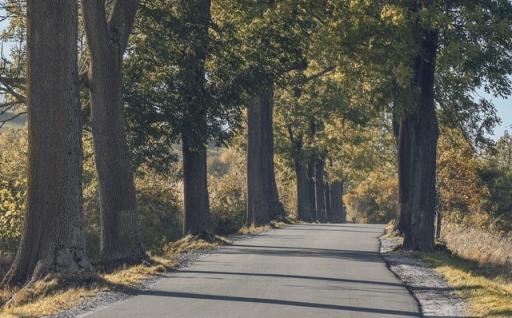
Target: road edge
{"x": 434, "y": 296}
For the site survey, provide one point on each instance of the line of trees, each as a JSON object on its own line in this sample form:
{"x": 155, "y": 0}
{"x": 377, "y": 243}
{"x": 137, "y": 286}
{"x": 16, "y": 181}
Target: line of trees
{"x": 317, "y": 79}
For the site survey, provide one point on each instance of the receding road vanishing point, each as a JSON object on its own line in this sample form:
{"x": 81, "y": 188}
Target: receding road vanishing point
{"x": 308, "y": 270}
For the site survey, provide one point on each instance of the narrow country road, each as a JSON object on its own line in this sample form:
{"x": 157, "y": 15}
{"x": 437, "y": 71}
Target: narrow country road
{"x": 309, "y": 270}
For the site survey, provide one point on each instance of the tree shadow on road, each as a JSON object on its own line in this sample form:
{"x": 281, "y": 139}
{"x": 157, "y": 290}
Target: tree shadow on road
{"x": 394, "y": 313}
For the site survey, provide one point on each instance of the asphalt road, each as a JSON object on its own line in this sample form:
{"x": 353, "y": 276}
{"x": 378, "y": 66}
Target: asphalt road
{"x": 310, "y": 270}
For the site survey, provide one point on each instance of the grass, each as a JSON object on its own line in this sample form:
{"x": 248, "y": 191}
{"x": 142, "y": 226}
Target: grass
{"x": 485, "y": 289}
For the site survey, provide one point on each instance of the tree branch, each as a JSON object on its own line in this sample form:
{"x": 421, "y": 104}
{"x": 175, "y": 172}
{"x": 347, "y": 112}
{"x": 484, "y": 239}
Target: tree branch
{"x": 320, "y": 74}
{"x": 121, "y": 21}
{"x": 5, "y": 121}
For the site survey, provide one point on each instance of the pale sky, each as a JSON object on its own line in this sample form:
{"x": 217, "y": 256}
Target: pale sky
{"x": 504, "y": 109}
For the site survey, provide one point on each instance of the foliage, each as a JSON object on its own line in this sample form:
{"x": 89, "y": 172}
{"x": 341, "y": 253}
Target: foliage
{"x": 475, "y": 189}
{"x": 496, "y": 176}
{"x": 374, "y": 200}
{"x": 161, "y": 88}
{"x": 458, "y": 182}
{"x": 228, "y": 188}
{"x": 13, "y": 187}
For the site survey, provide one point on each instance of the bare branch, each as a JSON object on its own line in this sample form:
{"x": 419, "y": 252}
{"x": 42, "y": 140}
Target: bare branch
{"x": 5, "y": 121}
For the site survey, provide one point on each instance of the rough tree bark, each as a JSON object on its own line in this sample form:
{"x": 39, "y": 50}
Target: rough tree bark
{"x": 417, "y": 153}
{"x": 53, "y": 240}
{"x": 305, "y": 201}
{"x": 320, "y": 189}
{"x": 196, "y": 18}
{"x": 311, "y": 187}
{"x": 336, "y": 190}
{"x": 262, "y": 198}
{"x": 107, "y": 39}
{"x": 329, "y": 215}
{"x": 195, "y": 189}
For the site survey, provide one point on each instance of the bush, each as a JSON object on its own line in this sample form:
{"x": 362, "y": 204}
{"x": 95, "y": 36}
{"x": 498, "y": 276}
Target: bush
{"x": 228, "y": 188}
{"x": 160, "y": 209}
{"x": 13, "y": 187}
{"x": 374, "y": 200}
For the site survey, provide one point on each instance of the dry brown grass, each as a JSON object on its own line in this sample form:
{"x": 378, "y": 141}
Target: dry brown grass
{"x": 254, "y": 229}
{"x": 488, "y": 293}
{"x": 484, "y": 247}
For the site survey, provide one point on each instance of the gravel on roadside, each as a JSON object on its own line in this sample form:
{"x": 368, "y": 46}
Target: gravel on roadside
{"x": 435, "y": 296}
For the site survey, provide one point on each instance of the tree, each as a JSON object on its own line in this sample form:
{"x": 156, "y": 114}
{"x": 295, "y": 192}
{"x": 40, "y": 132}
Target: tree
{"x": 107, "y": 39}
{"x": 456, "y": 49}
{"x": 418, "y": 144}
{"x": 196, "y": 17}
{"x": 189, "y": 91}
{"x": 53, "y": 240}
{"x": 262, "y": 198}
{"x": 272, "y": 38}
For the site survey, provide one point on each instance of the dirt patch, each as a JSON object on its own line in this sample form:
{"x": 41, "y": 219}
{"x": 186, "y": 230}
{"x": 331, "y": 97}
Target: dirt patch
{"x": 435, "y": 296}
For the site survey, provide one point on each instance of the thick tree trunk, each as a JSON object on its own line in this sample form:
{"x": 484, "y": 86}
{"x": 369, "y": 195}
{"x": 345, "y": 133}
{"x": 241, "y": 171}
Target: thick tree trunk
{"x": 120, "y": 236}
{"x": 196, "y": 204}
{"x": 312, "y": 189}
{"x": 417, "y": 155}
{"x": 53, "y": 240}
{"x": 263, "y": 202}
{"x": 196, "y": 19}
{"x": 328, "y": 204}
{"x": 305, "y": 201}
{"x": 337, "y": 206}
{"x": 320, "y": 189}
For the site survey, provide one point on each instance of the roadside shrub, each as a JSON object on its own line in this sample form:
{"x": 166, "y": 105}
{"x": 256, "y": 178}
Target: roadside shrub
{"x": 160, "y": 208}
{"x": 228, "y": 188}
{"x": 374, "y": 200}
{"x": 13, "y": 187}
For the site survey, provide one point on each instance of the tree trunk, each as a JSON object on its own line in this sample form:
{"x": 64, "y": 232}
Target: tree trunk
{"x": 417, "y": 154}
{"x": 107, "y": 40}
{"x": 337, "y": 206}
{"x": 195, "y": 187}
{"x": 262, "y": 198}
{"x": 439, "y": 223}
{"x": 328, "y": 204}
{"x": 53, "y": 240}
{"x": 439, "y": 217}
{"x": 343, "y": 208}
{"x": 196, "y": 18}
{"x": 312, "y": 189}
{"x": 320, "y": 189}
{"x": 305, "y": 201}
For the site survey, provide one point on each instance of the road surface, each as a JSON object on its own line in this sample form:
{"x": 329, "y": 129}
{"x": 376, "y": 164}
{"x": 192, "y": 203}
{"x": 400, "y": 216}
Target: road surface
{"x": 307, "y": 270}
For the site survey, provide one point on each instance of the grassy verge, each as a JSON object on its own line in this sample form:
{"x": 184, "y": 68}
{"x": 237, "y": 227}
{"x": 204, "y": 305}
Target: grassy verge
{"x": 487, "y": 292}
